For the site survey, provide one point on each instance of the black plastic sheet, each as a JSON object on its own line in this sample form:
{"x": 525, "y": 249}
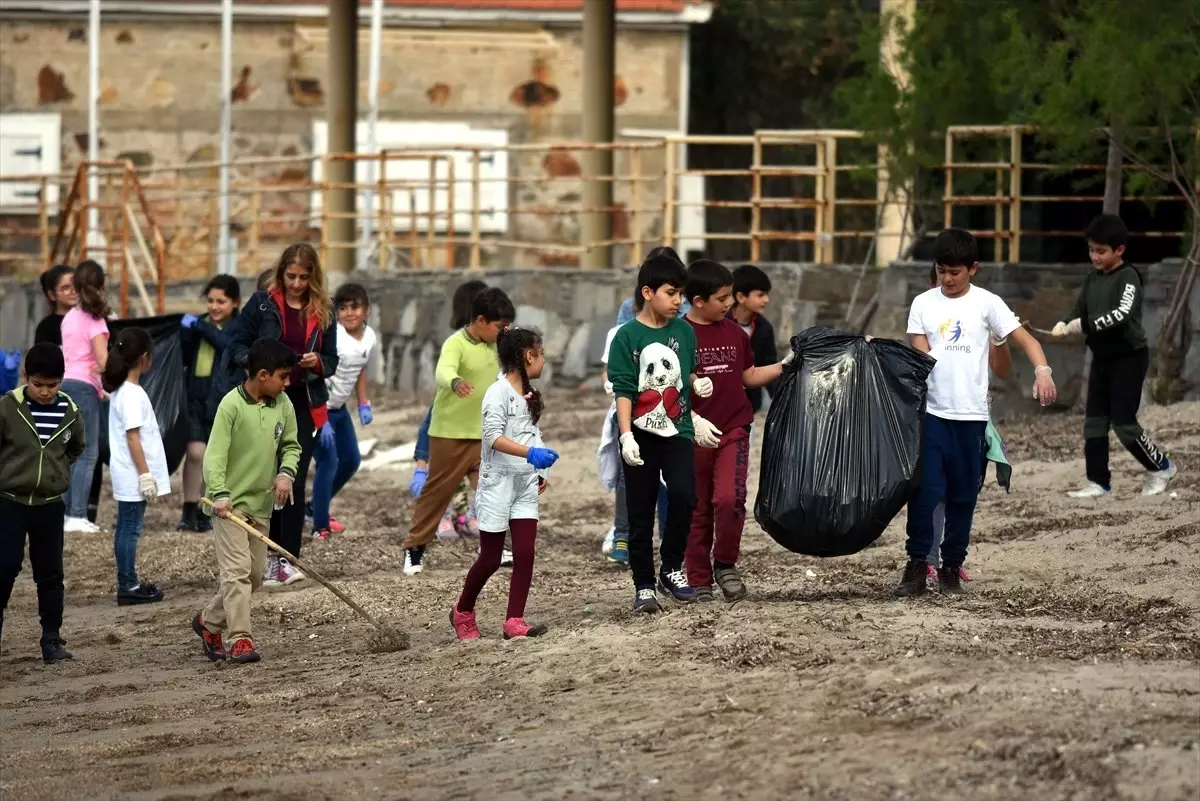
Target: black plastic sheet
{"x": 842, "y": 444}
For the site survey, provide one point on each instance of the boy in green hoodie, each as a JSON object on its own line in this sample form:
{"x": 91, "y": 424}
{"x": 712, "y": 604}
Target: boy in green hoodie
{"x": 41, "y": 436}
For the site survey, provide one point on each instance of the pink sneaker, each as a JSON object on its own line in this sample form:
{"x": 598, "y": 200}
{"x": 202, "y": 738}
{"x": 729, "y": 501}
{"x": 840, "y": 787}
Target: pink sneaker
{"x": 466, "y": 525}
{"x": 323, "y": 534}
{"x": 931, "y": 578}
{"x": 517, "y": 627}
{"x": 445, "y": 530}
{"x": 289, "y": 574}
{"x": 962, "y": 574}
{"x": 271, "y": 574}
{"x": 336, "y": 526}
{"x": 464, "y": 624}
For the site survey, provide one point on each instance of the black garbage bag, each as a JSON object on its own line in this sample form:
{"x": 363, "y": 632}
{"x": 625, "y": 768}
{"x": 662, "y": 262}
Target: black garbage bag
{"x": 165, "y": 384}
{"x": 842, "y": 444}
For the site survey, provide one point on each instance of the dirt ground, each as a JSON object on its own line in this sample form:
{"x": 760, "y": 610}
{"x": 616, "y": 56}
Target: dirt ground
{"x": 1070, "y": 670}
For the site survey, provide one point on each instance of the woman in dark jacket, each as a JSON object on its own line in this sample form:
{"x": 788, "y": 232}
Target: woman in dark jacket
{"x": 203, "y": 341}
{"x": 295, "y": 310}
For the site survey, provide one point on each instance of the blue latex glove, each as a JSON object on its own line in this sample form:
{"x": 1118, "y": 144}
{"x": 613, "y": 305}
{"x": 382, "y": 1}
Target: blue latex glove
{"x": 364, "y": 413}
{"x": 189, "y": 321}
{"x": 327, "y": 436}
{"x": 12, "y": 359}
{"x": 541, "y": 458}
{"x": 418, "y": 481}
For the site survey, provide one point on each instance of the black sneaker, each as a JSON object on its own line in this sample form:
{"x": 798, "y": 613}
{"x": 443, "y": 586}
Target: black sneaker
{"x": 704, "y": 595}
{"x": 412, "y": 560}
{"x": 141, "y": 594}
{"x": 644, "y": 600}
{"x": 913, "y": 582}
{"x": 187, "y": 520}
{"x": 203, "y": 523}
{"x": 53, "y": 650}
{"x": 949, "y": 581}
{"x": 675, "y": 583}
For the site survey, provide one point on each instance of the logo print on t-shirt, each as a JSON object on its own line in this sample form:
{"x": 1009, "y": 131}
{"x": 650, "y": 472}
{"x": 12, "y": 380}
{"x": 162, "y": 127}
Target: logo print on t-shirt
{"x": 278, "y": 430}
{"x": 951, "y": 330}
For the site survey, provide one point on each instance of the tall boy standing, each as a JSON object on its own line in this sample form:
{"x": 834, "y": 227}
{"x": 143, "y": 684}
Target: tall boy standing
{"x": 956, "y": 323}
{"x": 1108, "y": 312}
{"x": 751, "y": 295}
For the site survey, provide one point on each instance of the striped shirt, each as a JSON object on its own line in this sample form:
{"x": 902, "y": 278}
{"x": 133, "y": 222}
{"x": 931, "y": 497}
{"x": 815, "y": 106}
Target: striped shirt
{"x": 47, "y": 419}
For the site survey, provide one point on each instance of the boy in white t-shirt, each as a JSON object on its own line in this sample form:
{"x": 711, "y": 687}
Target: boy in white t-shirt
{"x": 337, "y": 455}
{"x": 956, "y": 324}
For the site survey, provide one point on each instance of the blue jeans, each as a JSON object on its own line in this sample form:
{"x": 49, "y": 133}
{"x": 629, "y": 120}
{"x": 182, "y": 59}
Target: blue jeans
{"x": 88, "y": 401}
{"x": 421, "y": 452}
{"x": 951, "y": 469}
{"x": 129, "y": 527}
{"x": 335, "y": 466}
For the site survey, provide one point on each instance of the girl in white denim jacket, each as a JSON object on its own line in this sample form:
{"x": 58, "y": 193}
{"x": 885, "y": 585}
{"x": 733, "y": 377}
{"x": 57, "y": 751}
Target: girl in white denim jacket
{"x": 512, "y": 474}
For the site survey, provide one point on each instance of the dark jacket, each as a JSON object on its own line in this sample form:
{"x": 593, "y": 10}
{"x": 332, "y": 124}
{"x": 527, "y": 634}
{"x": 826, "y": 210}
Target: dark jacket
{"x": 762, "y": 342}
{"x": 200, "y": 387}
{"x": 262, "y": 318}
{"x": 49, "y": 330}
{"x": 31, "y": 474}
{"x": 1110, "y": 308}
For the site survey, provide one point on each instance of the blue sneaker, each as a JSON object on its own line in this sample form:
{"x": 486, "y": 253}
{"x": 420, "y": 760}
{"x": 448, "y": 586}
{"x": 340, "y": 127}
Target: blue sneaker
{"x": 675, "y": 583}
{"x": 644, "y": 600}
{"x": 619, "y": 553}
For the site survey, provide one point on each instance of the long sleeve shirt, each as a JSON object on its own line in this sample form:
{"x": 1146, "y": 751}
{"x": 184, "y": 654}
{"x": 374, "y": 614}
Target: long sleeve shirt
{"x": 1109, "y": 307}
{"x": 506, "y": 414}
{"x": 251, "y": 443}
{"x": 466, "y": 358}
{"x": 652, "y": 367}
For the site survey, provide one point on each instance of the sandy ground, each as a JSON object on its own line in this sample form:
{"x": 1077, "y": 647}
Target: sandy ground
{"x": 1070, "y": 670}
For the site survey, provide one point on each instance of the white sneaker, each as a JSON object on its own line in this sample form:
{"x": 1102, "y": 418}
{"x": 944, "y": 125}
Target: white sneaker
{"x": 1092, "y": 490}
{"x": 271, "y": 574}
{"x": 412, "y": 561}
{"x": 609, "y": 538}
{"x": 506, "y": 558}
{"x": 288, "y": 574}
{"x": 1156, "y": 482}
{"x": 80, "y": 525}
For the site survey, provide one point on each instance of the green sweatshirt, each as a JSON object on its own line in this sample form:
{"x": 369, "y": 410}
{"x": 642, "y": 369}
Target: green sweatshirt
{"x": 1110, "y": 308}
{"x": 31, "y": 473}
{"x": 653, "y": 367}
{"x": 463, "y": 357}
{"x": 251, "y": 443}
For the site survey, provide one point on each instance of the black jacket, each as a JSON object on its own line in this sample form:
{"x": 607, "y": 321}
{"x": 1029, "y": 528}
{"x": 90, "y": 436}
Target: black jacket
{"x": 1110, "y": 308}
{"x": 200, "y": 387}
{"x": 762, "y": 342}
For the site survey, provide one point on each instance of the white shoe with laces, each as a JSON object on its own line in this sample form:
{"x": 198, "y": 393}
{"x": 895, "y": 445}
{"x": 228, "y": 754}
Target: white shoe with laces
{"x": 1092, "y": 490}
{"x": 271, "y": 574}
{"x": 609, "y": 539}
{"x": 80, "y": 525}
{"x": 1157, "y": 481}
{"x": 412, "y": 561}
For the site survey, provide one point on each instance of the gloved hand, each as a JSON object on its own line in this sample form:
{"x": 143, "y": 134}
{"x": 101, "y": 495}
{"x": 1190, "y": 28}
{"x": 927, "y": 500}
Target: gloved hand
{"x": 608, "y": 389}
{"x": 189, "y": 321}
{"x": 791, "y": 357}
{"x": 148, "y": 488}
{"x": 630, "y": 451}
{"x": 541, "y": 458}
{"x": 707, "y": 435}
{"x": 364, "y": 413}
{"x": 703, "y": 387}
{"x": 1044, "y": 390}
{"x": 1067, "y": 329}
{"x": 420, "y": 476}
{"x": 12, "y": 359}
{"x": 327, "y": 440}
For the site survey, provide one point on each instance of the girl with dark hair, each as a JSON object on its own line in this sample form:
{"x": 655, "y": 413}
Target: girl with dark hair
{"x": 203, "y": 343}
{"x": 296, "y": 310}
{"x": 58, "y": 285}
{"x": 85, "y": 351}
{"x": 137, "y": 459}
{"x": 512, "y": 474}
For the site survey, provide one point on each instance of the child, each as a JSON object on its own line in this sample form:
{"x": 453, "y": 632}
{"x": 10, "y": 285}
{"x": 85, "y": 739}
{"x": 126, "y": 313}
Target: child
{"x": 41, "y": 435}
{"x": 468, "y": 360}
{"x": 85, "y": 350}
{"x": 337, "y": 464}
{"x": 1108, "y": 312}
{"x": 203, "y": 345}
{"x": 751, "y": 294}
{"x": 511, "y": 477}
{"x": 651, "y": 366}
{"x": 137, "y": 460}
{"x": 58, "y": 285}
{"x": 955, "y": 323}
{"x": 722, "y": 423}
{"x": 250, "y": 466}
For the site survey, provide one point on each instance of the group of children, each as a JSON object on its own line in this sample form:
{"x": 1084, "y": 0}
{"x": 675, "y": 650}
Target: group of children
{"x": 684, "y": 388}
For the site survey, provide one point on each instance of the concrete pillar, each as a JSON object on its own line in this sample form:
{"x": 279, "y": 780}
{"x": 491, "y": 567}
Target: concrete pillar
{"x": 599, "y": 78}
{"x": 895, "y": 228}
{"x": 341, "y": 116}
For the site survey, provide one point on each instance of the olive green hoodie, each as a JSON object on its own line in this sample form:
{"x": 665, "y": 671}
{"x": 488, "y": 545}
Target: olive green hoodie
{"x": 30, "y": 473}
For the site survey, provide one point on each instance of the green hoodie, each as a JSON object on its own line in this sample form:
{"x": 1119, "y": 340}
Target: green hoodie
{"x": 30, "y": 473}
{"x": 1110, "y": 308}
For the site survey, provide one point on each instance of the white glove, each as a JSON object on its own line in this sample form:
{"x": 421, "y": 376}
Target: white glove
{"x": 147, "y": 487}
{"x": 702, "y": 387}
{"x": 630, "y": 451}
{"x": 608, "y": 388}
{"x": 1067, "y": 329}
{"x": 791, "y": 357}
{"x": 707, "y": 435}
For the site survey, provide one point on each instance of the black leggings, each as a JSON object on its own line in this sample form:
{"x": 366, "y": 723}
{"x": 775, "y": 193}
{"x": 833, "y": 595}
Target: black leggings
{"x": 287, "y": 524}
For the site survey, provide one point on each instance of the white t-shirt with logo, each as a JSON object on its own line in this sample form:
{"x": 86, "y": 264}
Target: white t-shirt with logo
{"x": 130, "y": 408}
{"x": 959, "y": 331}
{"x": 353, "y": 355}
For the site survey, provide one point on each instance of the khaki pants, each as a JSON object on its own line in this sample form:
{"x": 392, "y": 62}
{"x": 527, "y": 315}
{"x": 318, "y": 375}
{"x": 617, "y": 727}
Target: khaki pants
{"x": 450, "y": 460}
{"x": 241, "y": 560}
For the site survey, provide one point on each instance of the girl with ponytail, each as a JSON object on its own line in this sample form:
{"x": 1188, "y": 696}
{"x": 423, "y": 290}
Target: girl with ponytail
{"x": 137, "y": 459}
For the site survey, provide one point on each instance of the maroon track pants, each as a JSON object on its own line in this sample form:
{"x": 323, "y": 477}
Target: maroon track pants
{"x": 720, "y": 513}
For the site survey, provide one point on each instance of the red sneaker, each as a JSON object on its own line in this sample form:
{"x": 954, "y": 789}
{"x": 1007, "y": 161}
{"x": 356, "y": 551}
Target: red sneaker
{"x": 214, "y": 649}
{"x": 464, "y": 624}
{"x": 323, "y": 534}
{"x": 243, "y": 652}
{"x": 335, "y": 525}
{"x": 962, "y": 574}
{"x": 517, "y": 627}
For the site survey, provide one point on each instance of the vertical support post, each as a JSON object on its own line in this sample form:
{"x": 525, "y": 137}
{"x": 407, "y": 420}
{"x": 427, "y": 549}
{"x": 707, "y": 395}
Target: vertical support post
{"x": 476, "y": 199}
{"x": 93, "y": 149}
{"x": 44, "y": 219}
{"x": 635, "y": 201}
{"x": 755, "y": 201}
{"x": 1014, "y": 191}
{"x": 342, "y": 118}
{"x": 384, "y": 206}
{"x": 255, "y": 231}
{"x": 450, "y": 185}
{"x": 121, "y": 235}
{"x": 998, "y": 224}
{"x": 893, "y": 197}
{"x": 599, "y": 78}
{"x": 372, "y": 122}
{"x": 829, "y": 201}
{"x": 948, "y": 189}
{"x": 431, "y": 216}
{"x": 325, "y": 201}
{"x": 670, "y": 185}
{"x": 223, "y": 249}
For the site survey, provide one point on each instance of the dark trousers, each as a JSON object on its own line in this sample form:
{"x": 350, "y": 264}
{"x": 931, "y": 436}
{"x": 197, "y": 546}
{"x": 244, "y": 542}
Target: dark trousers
{"x": 1114, "y": 395}
{"x": 43, "y": 525}
{"x": 287, "y": 524}
{"x": 672, "y": 457}
{"x": 950, "y": 471}
{"x": 715, "y": 539}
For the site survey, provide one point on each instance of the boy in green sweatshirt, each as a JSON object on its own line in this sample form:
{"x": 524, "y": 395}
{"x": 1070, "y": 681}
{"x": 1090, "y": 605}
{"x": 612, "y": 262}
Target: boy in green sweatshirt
{"x": 41, "y": 436}
{"x": 249, "y": 467}
{"x": 1108, "y": 312}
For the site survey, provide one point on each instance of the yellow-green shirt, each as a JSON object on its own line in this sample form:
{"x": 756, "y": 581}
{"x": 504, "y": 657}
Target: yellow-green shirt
{"x": 251, "y": 443}
{"x": 475, "y": 362}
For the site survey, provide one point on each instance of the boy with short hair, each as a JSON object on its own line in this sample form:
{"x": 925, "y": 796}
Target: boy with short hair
{"x": 249, "y": 467}
{"x": 652, "y": 365}
{"x": 751, "y": 295}
{"x": 41, "y": 436}
{"x": 336, "y": 465}
{"x": 1108, "y": 312}
{"x": 722, "y": 422}
{"x": 956, "y": 323}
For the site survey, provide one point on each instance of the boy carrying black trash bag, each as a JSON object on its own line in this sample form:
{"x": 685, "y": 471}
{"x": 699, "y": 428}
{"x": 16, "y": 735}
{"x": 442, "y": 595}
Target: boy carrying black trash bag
{"x": 1108, "y": 312}
{"x": 41, "y": 436}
